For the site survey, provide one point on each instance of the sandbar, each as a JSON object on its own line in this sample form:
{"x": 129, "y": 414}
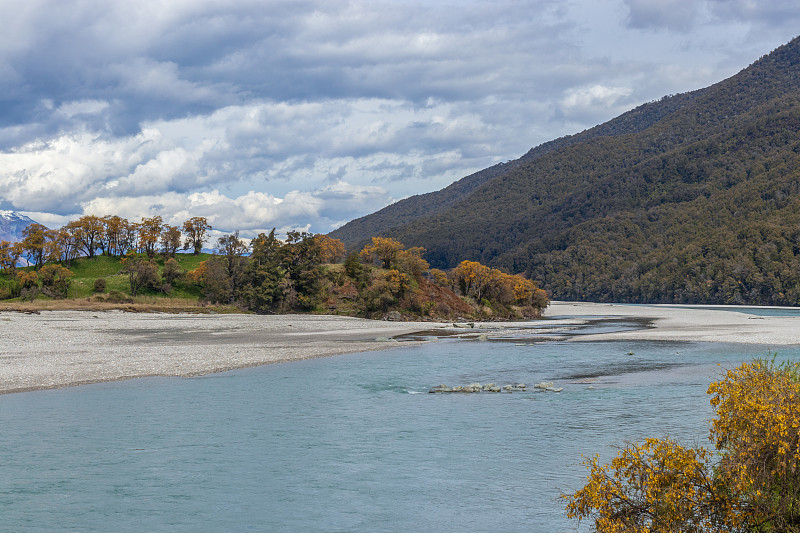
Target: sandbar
{"x": 733, "y": 324}
{"x": 66, "y": 348}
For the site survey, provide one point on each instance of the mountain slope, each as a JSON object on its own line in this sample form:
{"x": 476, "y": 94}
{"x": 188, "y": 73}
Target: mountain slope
{"x": 12, "y": 224}
{"x": 358, "y": 231}
{"x": 694, "y": 198}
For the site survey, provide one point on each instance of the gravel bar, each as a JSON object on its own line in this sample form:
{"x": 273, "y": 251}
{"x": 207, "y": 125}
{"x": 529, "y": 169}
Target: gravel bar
{"x": 65, "y": 348}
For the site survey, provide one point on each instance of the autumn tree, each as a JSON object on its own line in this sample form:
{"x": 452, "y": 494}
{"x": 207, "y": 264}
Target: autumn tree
{"x": 439, "y": 277}
{"x": 103, "y": 239}
{"x": 28, "y": 278}
{"x": 29, "y": 283}
{"x": 196, "y": 230}
{"x": 68, "y": 244}
{"x": 170, "y": 240}
{"x": 331, "y": 250}
{"x": 412, "y": 262}
{"x": 115, "y": 234}
{"x": 381, "y": 250}
{"x": 750, "y": 484}
{"x": 473, "y": 279}
{"x": 757, "y": 429}
{"x": 10, "y": 252}
{"x": 52, "y": 245}
{"x": 55, "y": 280}
{"x": 87, "y": 231}
{"x": 34, "y": 244}
{"x": 656, "y": 486}
{"x": 149, "y": 234}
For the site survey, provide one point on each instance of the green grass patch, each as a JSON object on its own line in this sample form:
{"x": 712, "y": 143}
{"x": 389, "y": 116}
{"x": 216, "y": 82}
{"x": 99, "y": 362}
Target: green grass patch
{"x": 190, "y": 261}
{"x": 86, "y": 271}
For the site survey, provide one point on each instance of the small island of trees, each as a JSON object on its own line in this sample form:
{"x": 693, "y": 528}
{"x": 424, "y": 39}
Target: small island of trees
{"x": 112, "y": 260}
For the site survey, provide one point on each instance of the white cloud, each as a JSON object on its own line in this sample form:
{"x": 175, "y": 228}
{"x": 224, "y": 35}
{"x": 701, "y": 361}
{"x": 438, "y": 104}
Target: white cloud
{"x": 309, "y": 112}
{"x": 249, "y": 213}
{"x": 594, "y": 100}
{"x": 81, "y": 107}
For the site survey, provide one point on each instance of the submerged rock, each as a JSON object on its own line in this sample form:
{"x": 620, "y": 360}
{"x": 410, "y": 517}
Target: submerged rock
{"x": 477, "y": 387}
{"x": 548, "y": 386}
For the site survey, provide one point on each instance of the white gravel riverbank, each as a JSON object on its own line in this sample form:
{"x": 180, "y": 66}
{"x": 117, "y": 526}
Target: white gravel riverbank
{"x": 64, "y": 348}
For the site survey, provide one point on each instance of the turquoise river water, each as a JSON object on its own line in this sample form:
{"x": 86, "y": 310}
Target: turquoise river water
{"x": 352, "y": 443}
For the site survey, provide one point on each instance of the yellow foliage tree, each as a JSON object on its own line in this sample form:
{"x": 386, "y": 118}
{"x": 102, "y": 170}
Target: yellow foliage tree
{"x": 382, "y": 250}
{"x": 331, "y": 250}
{"x": 56, "y": 279}
{"x": 149, "y": 234}
{"x": 439, "y": 277}
{"x": 198, "y": 275}
{"x": 758, "y": 429}
{"x": 411, "y": 261}
{"x": 10, "y": 252}
{"x": 34, "y": 244}
{"x": 660, "y": 486}
{"x": 115, "y": 228}
{"x": 397, "y": 282}
{"x": 27, "y": 278}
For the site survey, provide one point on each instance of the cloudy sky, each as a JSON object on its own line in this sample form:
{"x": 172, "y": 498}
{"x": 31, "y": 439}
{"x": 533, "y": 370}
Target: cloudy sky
{"x": 308, "y": 113}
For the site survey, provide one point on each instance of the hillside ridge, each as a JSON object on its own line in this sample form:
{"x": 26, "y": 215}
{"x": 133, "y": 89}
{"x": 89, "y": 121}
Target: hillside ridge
{"x": 611, "y": 213}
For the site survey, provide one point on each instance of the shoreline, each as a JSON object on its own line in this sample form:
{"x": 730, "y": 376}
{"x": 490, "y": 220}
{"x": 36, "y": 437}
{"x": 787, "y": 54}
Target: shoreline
{"x": 57, "y": 349}
{"x": 679, "y": 322}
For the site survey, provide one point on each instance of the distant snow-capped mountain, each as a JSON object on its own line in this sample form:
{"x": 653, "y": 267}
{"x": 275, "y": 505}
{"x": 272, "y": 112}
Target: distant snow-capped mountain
{"x": 12, "y": 224}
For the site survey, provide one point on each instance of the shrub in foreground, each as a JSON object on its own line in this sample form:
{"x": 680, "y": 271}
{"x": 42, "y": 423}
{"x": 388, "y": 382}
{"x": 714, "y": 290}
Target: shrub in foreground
{"x": 751, "y": 483}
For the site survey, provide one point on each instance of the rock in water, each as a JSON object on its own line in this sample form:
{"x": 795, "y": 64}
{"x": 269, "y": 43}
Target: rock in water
{"x": 548, "y": 386}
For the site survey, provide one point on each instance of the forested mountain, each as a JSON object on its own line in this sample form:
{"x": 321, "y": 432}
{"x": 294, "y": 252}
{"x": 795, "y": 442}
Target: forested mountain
{"x": 694, "y": 198}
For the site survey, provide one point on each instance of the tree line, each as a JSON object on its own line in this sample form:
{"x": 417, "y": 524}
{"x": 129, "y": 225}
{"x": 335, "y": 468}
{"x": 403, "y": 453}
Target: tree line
{"x": 112, "y": 235}
{"x": 307, "y": 272}
{"x": 303, "y": 272}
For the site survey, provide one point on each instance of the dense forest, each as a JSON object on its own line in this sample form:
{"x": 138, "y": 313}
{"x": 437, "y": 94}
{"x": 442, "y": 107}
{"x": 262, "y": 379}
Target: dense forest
{"x": 691, "y": 199}
{"x": 118, "y": 261}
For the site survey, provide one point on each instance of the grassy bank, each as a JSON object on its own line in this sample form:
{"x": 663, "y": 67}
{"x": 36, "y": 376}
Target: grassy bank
{"x": 81, "y": 295}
